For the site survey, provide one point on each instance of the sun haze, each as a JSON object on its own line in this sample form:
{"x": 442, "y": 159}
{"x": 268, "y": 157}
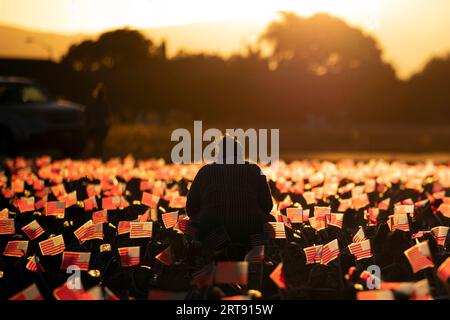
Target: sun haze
{"x": 410, "y": 31}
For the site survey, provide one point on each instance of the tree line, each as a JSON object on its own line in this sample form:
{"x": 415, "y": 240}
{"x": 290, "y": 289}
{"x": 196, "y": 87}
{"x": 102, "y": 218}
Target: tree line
{"x": 320, "y": 70}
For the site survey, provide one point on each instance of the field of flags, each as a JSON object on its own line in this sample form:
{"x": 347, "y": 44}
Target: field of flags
{"x": 343, "y": 230}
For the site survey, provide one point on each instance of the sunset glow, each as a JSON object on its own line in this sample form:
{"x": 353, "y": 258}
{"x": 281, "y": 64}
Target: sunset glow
{"x": 410, "y": 31}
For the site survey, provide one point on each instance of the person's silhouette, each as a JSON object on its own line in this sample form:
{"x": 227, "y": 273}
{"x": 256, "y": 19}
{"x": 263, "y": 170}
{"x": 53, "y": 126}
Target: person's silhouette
{"x": 98, "y": 119}
{"x": 230, "y": 193}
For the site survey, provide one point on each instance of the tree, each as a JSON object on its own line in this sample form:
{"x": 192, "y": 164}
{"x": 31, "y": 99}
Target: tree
{"x": 330, "y": 68}
{"x": 117, "y": 48}
{"x": 322, "y": 43}
{"x": 428, "y": 94}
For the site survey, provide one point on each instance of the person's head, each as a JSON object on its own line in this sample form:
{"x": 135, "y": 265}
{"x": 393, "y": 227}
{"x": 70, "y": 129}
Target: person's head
{"x": 229, "y": 151}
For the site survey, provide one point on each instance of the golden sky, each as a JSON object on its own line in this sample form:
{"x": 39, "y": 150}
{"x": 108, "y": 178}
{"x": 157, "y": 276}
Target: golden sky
{"x": 410, "y": 31}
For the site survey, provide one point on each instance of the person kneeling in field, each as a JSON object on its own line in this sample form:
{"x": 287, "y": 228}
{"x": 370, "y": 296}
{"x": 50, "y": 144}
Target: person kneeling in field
{"x": 230, "y": 194}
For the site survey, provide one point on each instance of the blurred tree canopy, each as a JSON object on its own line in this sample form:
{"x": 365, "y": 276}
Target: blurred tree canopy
{"x": 321, "y": 44}
{"x": 118, "y": 48}
{"x": 319, "y": 71}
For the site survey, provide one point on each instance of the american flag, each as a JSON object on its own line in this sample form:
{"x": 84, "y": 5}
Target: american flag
{"x": 255, "y": 255}
{"x": 440, "y": 234}
{"x": 336, "y": 219}
{"x": 419, "y": 256}
{"x": 287, "y": 201}
{"x": 89, "y": 231}
{"x": 375, "y": 295}
{"x": 406, "y": 288}
{"x": 321, "y": 213}
{"x": 52, "y": 246}
{"x": 16, "y": 248}
{"x": 277, "y": 276}
{"x": 4, "y": 214}
{"x": 141, "y": 229}
{"x": 360, "y": 201}
{"x": 414, "y": 184}
{"x": 444, "y": 208}
{"x": 330, "y": 251}
{"x": 286, "y": 221}
{"x": 400, "y": 222}
{"x": 419, "y": 234}
{"x": 38, "y": 184}
{"x": 182, "y": 223}
{"x": 384, "y": 205}
{"x": 7, "y": 193}
{"x": 439, "y": 194}
{"x": 100, "y": 216}
{"x": 165, "y": 257}
{"x": 421, "y": 290}
{"x": 408, "y": 202}
{"x": 359, "y": 236}
{"x": 150, "y": 200}
{"x": 111, "y": 203}
{"x": 30, "y": 293}
{"x": 33, "y": 264}
{"x": 145, "y": 216}
{"x": 94, "y": 231}
{"x": 309, "y": 197}
{"x": 361, "y": 250}
{"x": 93, "y": 190}
{"x": 313, "y": 254}
{"x": 18, "y": 186}
{"x": 55, "y": 208}
{"x": 33, "y": 230}
{"x": 26, "y": 204}
{"x": 372, "y": 215}
{"x": 317, "y": 224}
{"x": 145, "y": 185}
{"x": 305, "y": 215}
{"x": 275, "y": 230}
{"x": 231, "y": 272}
{"x": 177, "y": 202}
{"x": 90, "y": 203}
{"x": 81, "y": 231}
{"x": 370, "y": 185}
{"x": 7, "y": 226}
{"x": 123, "y": 227}
{"x": 65, "y": 293}
{"x": 443, "y": 271}
{"x": 170, "y": 219}
{"x": 295, "y": 214}
{"x": 79, "y": 259}
{"x": 347, "y": 188}
{"x": 344, "y": 204}
{"x": 70, "y": 199}
{"x": 129, "y": 256}
{"x": 422, "y": 203}
{"x": 58, "y": 190}
{"x": 404, "y": 209}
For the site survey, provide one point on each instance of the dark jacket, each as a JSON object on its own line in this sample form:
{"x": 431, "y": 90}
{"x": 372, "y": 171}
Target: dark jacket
{"x": 234, "y": 196}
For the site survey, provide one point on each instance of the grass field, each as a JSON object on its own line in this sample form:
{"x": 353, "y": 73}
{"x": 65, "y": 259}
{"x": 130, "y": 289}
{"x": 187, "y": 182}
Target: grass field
{"x": 144, "y": 141}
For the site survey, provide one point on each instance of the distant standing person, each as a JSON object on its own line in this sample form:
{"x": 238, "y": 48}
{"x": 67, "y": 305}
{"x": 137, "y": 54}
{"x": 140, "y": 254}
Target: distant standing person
{"x": 98, "y": 119}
